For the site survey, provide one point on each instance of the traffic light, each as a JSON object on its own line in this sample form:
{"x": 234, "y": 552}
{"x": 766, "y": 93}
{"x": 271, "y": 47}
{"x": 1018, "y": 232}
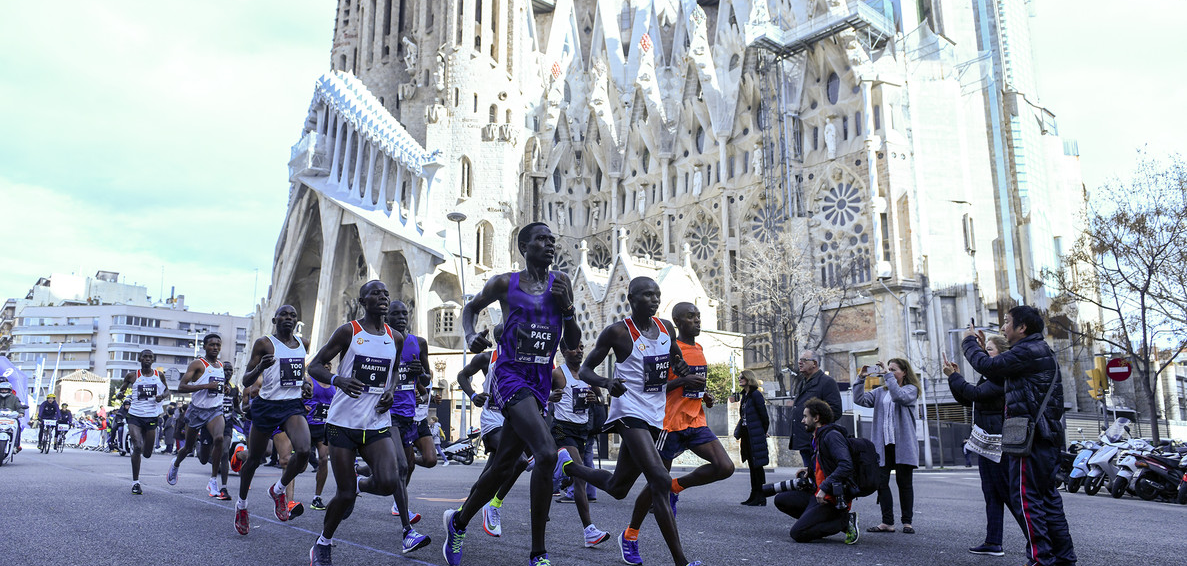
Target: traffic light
{"x": 1097, "y": 382}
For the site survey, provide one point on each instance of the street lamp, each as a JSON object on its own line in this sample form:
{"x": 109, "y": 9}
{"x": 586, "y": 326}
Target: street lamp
{"x": 458, "y": 217}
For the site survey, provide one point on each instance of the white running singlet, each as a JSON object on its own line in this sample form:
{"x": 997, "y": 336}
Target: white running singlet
{"x": 572, "y": 407}
{"x": 144, "y": 395}
{"x": 282, "y": 380}
{"x": 646, "y": 375}
{"x": 370, "y": 359}
{"x": 209, "y": 398}
{"x": 491, "y": 419}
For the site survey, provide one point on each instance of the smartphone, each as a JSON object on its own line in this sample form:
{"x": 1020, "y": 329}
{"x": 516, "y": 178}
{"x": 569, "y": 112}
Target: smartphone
{"x": 972, "y": 322}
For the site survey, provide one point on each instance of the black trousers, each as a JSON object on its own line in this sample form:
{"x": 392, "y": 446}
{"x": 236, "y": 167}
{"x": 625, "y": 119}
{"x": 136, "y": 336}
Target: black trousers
{"x": 995, "y": 486}
{"x": 813, "y": 520}
{"x": 906, "y": 489}
{"x": 758, "y": 477}
{"x": 1038, "y": 506}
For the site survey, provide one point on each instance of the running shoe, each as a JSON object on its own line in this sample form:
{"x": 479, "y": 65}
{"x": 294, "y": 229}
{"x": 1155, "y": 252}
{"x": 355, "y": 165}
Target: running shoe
{"x": 452, "y": 549}
{"x": 212, "y": 487}
{"x": 490, "y": 521}
{"x": 413, "y": 541}
{"x": 319, "y": 555}
{"x": 566, "y": 498}
{"x": 541, "y": 560}
{"x": 316, "y": 504}
{"x": 171, "y": 475}
{"x": 136, "y": 489}
{"x": 695, "y": 563}
{"x": 242, "y": 521}
{"x": 559, "y": 474}
{"x": 282, "y": 507}
{"x": 852, "y": 533}
{"x": 630, "y": 550}
{"x": 223, "y": 495}
{"x": 412, "y": 520}
{"x": 295, "y": 509}
{"x": 673, "y": 498}
{"x": 988, "y": 550}
{"x": 595, "y": 536}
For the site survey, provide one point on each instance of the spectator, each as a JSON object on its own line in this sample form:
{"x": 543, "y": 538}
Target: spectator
{"x": 893, "y": 402}
{"x": 1028, "y": 372}
{"x": 988, "y": 401}
{"x": 812, "y": 382}
{"x": 179, "y": 427}
{"x": 435, "y": 429}
{"x": 169, "y": 424}
{"x": 752, "y": 435}
{"x": 822, "y": 509}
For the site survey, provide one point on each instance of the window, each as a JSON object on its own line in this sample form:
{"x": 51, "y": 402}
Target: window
{"x": 443, "y": 324}
{"x": 183, "y": 326}
{"x": 815, "y": 138}
{"x": 494, "y": 114}
{"x": 857, "y": 124}
{"x": 467, "y": 178}
{"x": 475, "y": 103}
{"x": 844, "y": 127}
{"x": 834, "y": 88}
{"x": 240, "y": 334}
{"x": 483, "y": 241}
{"x": 877, "y": 117}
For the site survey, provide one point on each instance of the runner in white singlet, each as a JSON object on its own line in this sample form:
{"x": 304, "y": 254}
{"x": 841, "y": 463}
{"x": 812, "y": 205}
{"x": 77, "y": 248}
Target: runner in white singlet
{"x": 148, "y": 391}
{"x": 205, "y": 379}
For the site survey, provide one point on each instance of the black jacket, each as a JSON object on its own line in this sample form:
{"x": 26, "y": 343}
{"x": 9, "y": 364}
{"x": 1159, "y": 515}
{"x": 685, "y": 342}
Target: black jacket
{"x": 832, "y": 451}
{"x": 818, "y": 385}
{"x": 753, "y": 433}
{"x": 986, "y": 398}
{"x": 1025, "y": 371}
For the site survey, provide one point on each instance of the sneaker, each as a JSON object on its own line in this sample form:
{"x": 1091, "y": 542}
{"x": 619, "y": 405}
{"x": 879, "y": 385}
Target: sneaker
{"x": 281, "y": 501}
{"x": 852, "y": 533}
{"x": 136, "y": 489}
{"x": 413, "y": 541}
{"x": 595, "y": 536}
{"x": 541, "y": 560}
{"x": 316, "y": 504}
{"x": 452, "y": 549}
{"x": 673, "y": 498}
{"x": 242, "y": 521}
{"x": 412, "y": 520}
{"x": 630, "y": 550}
{"x": 212, "y": 487}
{"x": 490, "y": 520}
{"x": 559, "y": 474}
{"x": 695, "y": 563}
{"x": 171, "y": 475}
{"x": 223, "y": 495}
{"x": 295, "y": 509}
{"x": 319, "y": 555}
{"x": 565, "y": 499}
{"x": 988, "y": 550}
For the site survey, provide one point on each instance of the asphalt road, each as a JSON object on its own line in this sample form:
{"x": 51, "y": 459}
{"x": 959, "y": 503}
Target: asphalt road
{"x": 77, "y": 508}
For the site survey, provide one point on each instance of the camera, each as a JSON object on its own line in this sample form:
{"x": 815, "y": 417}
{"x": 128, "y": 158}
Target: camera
{"x": 799, "y": 483}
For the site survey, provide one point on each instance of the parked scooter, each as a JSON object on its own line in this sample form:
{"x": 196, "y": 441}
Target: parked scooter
{"x": 1127, "y": 467}
{"x": 1079, "y": 473}
{"x": 463, "y": 450}
{"x": 1067, "y": 460}
{"x": 1102, "y": 466}
{"x": 9, "y": 439}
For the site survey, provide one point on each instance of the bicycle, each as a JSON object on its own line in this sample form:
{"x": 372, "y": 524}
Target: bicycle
{"x": 43, "y": 437}
{"x": 60, "y": 437}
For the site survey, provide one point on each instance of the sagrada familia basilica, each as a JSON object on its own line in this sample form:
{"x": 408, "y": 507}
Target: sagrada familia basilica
{"x": 904, "y": 140}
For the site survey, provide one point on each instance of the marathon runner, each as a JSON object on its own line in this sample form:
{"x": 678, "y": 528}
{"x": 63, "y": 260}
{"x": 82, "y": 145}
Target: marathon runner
{"x": 684, "y": 422}
{"x": 358, "y": 422}
{"x": 570, "y": 429}
{"x": 278, "y": 362}
{"x": 205, "y": 379}
{"x": 414, "y": 377}
{"x": 206, "y": 445}
{"x": 538, "y": 306}
{"x": 646, "y": 353}
{"x": 150, "y": 390}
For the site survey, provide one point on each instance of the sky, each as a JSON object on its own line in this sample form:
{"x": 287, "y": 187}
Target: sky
{"x": 144, "y": 136}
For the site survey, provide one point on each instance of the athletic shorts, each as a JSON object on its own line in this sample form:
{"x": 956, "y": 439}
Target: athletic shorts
{"x": 673, "y": 443}
{"x": 228, "y": 431}
{"x": 631, "y": 423}
{"x": 570, "y": 434}
{"x": 145, "y": 423}
{"x": 353, "y": 438}
{"x": 490, "y": 440}
{"x": 422, "y": 429}
{"x": 273, "y": 414}
{"x": 197, "y": 417}
{"x": 317, "y": 433}
{"x": 521, "y": 394}
{"x": 409, "y": 431}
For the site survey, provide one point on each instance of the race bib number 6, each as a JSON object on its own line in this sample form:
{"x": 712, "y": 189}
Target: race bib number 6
{"x": 372, "y": 372}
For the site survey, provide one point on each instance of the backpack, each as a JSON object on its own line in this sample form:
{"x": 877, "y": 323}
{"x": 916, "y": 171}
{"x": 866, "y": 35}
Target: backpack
{"x": 866, "y": 472}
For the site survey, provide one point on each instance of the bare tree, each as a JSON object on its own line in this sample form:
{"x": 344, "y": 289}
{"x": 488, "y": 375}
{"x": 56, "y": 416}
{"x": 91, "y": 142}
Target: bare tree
{"x": 1128, "y": 265}
{"x": 785, "y": 299}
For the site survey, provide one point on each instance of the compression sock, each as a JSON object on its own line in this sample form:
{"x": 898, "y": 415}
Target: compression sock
{"x": 496, "y": 502}
{"x": 676, "y": 486}
{"x": 240, "y": 503}
{"x": 324, "y": 541}
{"x": 631, "y": 534}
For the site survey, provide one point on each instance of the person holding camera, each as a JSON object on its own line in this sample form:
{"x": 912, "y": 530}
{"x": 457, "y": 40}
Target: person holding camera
{"x": 893, "y": 402}
{"x": 819, "y": 497}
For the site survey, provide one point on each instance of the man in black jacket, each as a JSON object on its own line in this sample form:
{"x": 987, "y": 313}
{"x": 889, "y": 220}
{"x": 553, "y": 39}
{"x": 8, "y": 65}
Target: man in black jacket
{"x": 1026, "y": 372}
{"x": 813, "y": 383}
{"x": 831, "y": 471}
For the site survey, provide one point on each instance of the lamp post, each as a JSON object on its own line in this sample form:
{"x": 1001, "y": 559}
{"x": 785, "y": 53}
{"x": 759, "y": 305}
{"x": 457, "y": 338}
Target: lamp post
{"x": 458, "y": 217}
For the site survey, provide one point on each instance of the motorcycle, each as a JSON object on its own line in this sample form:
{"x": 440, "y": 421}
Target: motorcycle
{"x": 9, "y": 439}
{"x": 1079, "y": 473}
{"x": 463, "y": 450}
{"x": 1067, "y": 460}
{"x": 60, "y": 436}
{"x": 1159, "y": 475}
{"x": 1127, "y": 467}
{"x": 1102, "y": 465}
{"x": 45, "y": 436}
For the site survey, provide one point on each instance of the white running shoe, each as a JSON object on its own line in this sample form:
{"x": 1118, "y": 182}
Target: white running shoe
{"x": 595, "y": 536}
{"x": 212, "y": 487}
{"x": 490, "y": 521}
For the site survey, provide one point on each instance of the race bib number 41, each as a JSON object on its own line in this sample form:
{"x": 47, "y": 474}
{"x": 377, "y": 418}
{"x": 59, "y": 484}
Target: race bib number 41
{"x": 292, "y": 371}
{"x": 535, "y": 343}
{"x": 655, "y": 372}
{"x": 372, "y": 372}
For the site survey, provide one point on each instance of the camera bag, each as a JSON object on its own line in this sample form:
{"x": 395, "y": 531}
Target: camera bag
{"x": 1018, "y": 432}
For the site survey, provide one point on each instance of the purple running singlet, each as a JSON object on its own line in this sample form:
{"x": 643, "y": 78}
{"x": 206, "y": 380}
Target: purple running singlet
{"x": 531, "y": 334}
{"x": 404, "y": 394}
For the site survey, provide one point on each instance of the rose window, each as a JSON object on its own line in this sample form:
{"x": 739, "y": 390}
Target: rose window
{"x": 842, "y": 204}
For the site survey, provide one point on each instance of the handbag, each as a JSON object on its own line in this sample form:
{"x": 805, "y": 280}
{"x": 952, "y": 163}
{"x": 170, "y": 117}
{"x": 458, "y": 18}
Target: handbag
{"x": 984, "y": 444}
{"x": 1018, "y": 432}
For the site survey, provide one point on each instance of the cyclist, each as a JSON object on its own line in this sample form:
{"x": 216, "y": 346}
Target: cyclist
{"x": 47, "y": 411}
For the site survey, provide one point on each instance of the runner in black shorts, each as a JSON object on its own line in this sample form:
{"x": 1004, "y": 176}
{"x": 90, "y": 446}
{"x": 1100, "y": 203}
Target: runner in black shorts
{"x": 570, "y": 429}
{"x": 150, "y": 390}
{"x": 204, "y": 378}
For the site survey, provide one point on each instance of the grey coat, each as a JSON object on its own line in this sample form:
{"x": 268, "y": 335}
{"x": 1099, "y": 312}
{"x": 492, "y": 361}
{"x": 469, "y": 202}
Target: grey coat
{"x": 906, "y": 445}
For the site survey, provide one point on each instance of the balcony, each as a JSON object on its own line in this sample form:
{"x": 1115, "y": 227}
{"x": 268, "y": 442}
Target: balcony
{"x": 71, "y": 329}
{"x": 149, "y": 331}
{"x": 858, "y": 15}
{"x": 156, "y": 349}
{"x": 52, "y": 348}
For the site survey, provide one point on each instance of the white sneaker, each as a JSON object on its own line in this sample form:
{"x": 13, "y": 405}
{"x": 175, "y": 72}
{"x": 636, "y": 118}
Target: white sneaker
{"x": 595, "y": 536}
{"x": 212, "y": 487}
{"x": 490, "y": 521}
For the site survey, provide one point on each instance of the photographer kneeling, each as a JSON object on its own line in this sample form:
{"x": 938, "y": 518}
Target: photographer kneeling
{"x": 819, "y": 495}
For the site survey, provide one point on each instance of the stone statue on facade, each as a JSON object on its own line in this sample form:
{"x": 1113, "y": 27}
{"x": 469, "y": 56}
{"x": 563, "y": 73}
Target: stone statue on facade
{"x": 830, "y": 139}
{"x": 411, "y": 54}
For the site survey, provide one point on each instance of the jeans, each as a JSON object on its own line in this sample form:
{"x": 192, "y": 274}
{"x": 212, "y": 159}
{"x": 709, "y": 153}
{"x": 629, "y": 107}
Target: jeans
{"x": 906, "y": 491}
{"x": 813, "y": 520}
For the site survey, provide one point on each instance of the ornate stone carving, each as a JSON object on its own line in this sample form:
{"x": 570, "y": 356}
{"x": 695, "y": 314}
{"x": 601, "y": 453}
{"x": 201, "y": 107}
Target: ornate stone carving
{"x": 411, "y": 52}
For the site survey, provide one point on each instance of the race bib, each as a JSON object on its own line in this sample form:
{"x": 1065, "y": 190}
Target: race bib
{"x": 228, "y": 404}
{"x": 372, "y": 372}
{"x": 320, "y": 411}
{"x": 655, "y": 372}
{"x": 702, "y": 372}
{"x": 535, "y": 342}
{"x": 580, "y": 404}
{"x": 407, "y": 380}
{"x": 292, "y": 371}
{"x": 144, "y": 392}
{"x": 220, "y": 380}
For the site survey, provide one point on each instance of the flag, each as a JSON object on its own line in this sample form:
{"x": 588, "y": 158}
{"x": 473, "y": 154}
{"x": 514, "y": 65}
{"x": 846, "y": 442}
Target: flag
{"x": 18, "y": 379}
{"x": 556, "y": 70}
{"x": 645, "y": 43}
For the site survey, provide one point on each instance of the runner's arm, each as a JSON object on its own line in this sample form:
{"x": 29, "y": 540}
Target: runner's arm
{"x": 614, "y": 338}
{"x": 571, "y": 333}
{"x": 336, "y": 346}
{"x": 494, "y": 289}
{"x": 466, "y": 376}
{"x": 262, "y": 356}
{"x": 192, "y": 373}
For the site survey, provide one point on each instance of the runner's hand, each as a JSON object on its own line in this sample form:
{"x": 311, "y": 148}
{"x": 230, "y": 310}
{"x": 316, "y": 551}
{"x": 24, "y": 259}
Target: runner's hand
{"x": 266, "y": 361}
{"x": 385, "y": 402}
{"x": 414, "y": 368}
{"x": 617, "y": 387}
{"x": 680, "y": 368}
{"x": 480, "y": 399}
{"x": 349, "y": 386}
{"x": 590, "y": 396}
{"x": 479, "y": 343}
{"x": 696, "y": 381}
{"x": 306, "y": 389}
{"x": 708, "y": 398}
{"x": 556, "y": 395}
{"x": 562, "y": 292}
